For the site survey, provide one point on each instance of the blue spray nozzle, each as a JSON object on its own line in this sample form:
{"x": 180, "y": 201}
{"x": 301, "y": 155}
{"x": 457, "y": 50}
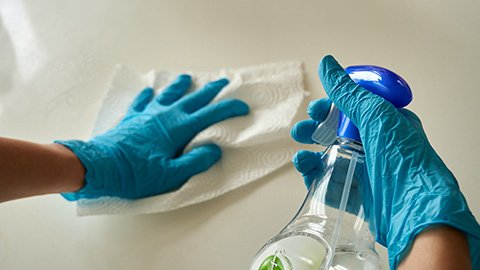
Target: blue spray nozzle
{"x": 380, "y": 81}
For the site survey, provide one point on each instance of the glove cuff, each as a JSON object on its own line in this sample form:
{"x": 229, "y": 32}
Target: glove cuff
{"x": 97, "y": 160}
{"x": 455, "y": 213}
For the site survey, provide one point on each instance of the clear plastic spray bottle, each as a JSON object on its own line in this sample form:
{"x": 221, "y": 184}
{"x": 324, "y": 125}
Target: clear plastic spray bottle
{"x": 332, "y": 229}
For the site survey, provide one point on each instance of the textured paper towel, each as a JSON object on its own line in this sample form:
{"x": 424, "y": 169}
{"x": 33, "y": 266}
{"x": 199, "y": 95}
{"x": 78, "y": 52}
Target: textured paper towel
{"x": 253, "y": 146}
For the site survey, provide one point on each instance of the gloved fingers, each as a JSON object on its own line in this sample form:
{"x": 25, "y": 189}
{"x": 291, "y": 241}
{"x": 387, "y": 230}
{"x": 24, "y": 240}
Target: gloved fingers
{"x": 307, "y": 161}
{"x": 354, "y": 101}
{"x": 218, "y": 112}
{"x": 309, "y": 164}
{"x": 175, "y": 90}
{"x": 203, "y": 96}
{"x": 318, "y": 109}
{"x": 302, "y": 131}
{"x": 141, "y": 100}
{"x": 198, "y": 160}
{"x": 310, "y": 177}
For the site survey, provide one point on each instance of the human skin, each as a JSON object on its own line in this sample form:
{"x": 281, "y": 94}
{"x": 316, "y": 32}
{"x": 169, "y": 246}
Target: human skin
{"x": 441, "y": 248}
{"x": 29, "y": 169}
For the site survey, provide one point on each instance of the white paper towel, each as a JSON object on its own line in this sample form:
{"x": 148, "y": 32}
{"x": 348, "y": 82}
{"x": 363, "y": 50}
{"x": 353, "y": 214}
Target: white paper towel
{"x": 253, "y": 146}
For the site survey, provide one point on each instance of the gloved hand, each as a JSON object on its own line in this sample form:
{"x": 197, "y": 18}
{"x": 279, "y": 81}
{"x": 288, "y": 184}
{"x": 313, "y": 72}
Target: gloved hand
{"x": 412, "y": 188}
{"x": 142, "y": 156}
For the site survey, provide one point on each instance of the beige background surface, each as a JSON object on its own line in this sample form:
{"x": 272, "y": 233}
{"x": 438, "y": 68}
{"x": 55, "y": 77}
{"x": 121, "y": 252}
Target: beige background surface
{"x": 57, "y": 58}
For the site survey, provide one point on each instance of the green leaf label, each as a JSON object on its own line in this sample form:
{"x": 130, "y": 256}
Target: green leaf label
{"x": 272, "y": 262}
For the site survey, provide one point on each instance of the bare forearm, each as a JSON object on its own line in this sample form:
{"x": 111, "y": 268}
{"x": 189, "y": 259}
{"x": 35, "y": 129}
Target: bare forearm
{"x": 28, "y": 169}
{"x": 439, "y": 248}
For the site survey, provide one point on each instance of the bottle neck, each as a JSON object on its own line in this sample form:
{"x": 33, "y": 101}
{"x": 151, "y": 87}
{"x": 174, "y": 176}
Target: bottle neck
{"x": 350, "y": 144}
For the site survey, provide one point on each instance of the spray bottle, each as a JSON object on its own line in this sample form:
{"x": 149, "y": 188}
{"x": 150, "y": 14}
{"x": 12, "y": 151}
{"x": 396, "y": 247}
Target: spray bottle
{"x": 332, "y": 229}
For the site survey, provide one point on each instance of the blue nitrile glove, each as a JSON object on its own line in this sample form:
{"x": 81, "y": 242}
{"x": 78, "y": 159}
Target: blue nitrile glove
{"x": 143, "y": 155}
{"x": 412, "y": 188}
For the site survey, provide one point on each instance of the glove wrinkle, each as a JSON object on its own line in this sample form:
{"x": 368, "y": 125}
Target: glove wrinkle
{"x": 412, "y": 189}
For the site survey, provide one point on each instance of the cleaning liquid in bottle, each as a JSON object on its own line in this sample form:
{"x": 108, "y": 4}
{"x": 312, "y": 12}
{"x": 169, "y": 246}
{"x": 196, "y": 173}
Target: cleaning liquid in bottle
{"x": 332, "y": 229}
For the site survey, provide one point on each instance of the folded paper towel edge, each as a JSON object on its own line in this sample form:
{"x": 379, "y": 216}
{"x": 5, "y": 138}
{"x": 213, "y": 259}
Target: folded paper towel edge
{"x": 148, "y": 79}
